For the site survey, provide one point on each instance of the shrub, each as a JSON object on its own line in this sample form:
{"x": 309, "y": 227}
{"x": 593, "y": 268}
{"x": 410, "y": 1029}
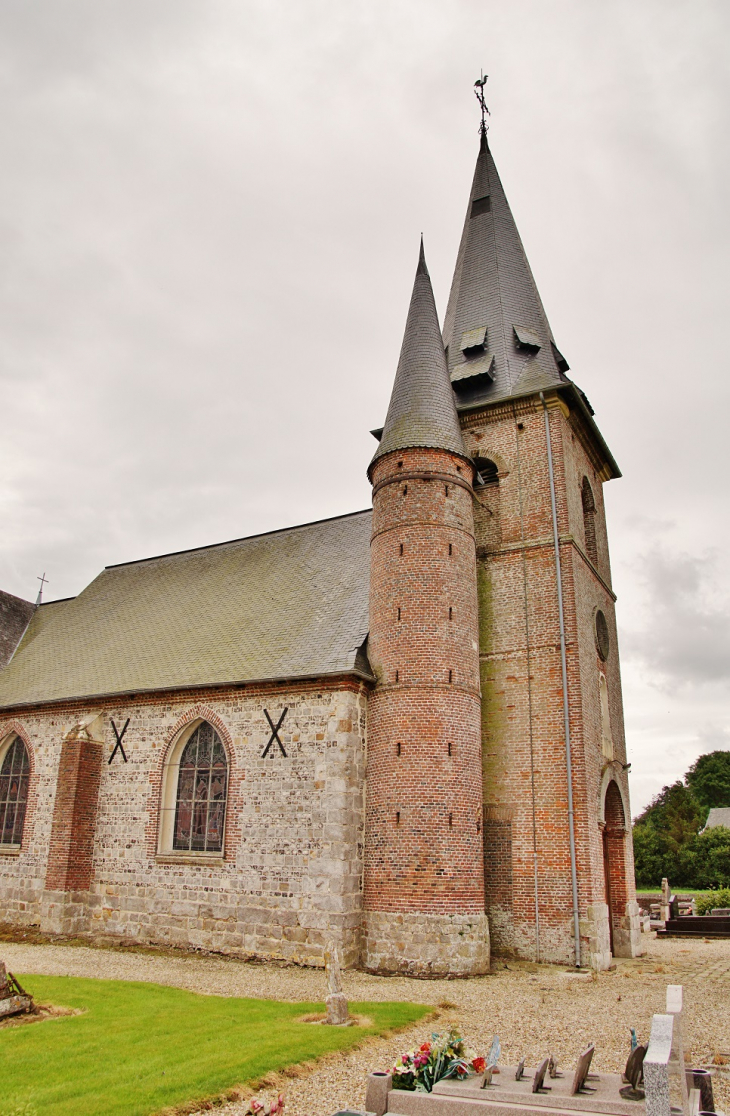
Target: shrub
{"x": 705, "y": 903}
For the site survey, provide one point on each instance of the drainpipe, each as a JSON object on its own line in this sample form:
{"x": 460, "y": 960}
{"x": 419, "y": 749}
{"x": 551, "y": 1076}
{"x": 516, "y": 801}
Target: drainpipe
{"x": 564, "y": 671}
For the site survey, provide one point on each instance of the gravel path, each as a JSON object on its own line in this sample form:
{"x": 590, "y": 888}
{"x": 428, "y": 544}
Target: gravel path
{"x": 534, "y": 1009}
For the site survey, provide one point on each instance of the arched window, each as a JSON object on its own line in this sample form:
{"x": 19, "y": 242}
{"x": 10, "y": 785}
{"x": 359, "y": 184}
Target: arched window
{"x": 14, "y": 780}
{"x": 202, "y": 785}
{"x": 589, "y": 521}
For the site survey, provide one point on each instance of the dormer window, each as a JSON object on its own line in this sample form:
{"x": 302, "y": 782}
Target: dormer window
{"x": 486, "y": 471}
{"x": 526, "y": 338}
{"x": 474, "y": 341}
{"x": 481, "y": 205}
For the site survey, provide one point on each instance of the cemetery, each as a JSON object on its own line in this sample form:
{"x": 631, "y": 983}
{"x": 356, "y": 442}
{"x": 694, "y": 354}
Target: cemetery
{"x": 268, "y": 1039}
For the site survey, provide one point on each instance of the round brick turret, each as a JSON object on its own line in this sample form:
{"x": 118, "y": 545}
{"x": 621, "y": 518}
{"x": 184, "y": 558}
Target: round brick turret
{"x": 424, "y": 878}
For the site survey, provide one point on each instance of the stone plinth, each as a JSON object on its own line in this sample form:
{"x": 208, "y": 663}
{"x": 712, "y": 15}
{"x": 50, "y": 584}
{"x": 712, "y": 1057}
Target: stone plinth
{"x": 426, "y": 945}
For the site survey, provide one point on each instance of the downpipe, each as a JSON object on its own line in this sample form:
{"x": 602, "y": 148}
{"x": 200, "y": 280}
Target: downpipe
{"x": 564, "y": 671}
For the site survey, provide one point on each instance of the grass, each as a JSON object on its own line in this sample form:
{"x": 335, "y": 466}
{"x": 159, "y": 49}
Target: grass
{"x": 139, "y": 1048}
{"x": 675, "y": 890}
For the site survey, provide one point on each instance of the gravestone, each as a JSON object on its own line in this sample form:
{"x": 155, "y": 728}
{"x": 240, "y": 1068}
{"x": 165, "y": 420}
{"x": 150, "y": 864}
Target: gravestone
{"x": 581, "y": 1071}
{"x": 634, "y": 1074}
{"x": 664, "y": 905}
{"x": 656, "y": 1066}
{"x": 337, "y": 1012}
{"x": 553, "y": 1067}
{"x": 538, "y": 1081}
{"x": 13, "y": 999}
{"x": 520, "y": 1071}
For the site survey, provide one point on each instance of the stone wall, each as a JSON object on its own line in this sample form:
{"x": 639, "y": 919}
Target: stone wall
{"x": 290, "y": 877}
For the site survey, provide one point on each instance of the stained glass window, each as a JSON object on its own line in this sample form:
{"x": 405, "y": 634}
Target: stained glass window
{"x": 14, "y": 779}
{"x": 202, "y": 784}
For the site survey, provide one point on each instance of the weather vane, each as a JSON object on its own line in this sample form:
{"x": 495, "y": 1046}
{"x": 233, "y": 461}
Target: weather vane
{"x": 479, "y": 94}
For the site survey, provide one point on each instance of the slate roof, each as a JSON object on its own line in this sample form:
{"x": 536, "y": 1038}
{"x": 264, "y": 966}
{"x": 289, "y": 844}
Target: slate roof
{"x": 718, "y": 815}
{"x": 422, "y": 410}
{"x": 493, "y": 288}
{"x": 288, "y": 604}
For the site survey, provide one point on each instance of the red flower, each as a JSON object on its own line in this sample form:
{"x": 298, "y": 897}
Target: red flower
{"x": 425, "y": 1046}
{"x": 478, "y": 1065}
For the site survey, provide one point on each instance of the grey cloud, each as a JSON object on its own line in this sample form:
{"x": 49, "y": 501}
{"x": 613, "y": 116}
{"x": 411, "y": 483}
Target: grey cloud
{"x": 685, "y": 639}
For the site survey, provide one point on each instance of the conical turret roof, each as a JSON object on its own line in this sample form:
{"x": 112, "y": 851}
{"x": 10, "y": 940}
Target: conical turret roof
{"x": 496, "y": 333}
{"x": 422, "y": 409}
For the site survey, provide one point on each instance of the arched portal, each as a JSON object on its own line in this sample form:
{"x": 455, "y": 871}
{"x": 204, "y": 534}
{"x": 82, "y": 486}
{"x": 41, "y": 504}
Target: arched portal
{"x": 614, "y": 859}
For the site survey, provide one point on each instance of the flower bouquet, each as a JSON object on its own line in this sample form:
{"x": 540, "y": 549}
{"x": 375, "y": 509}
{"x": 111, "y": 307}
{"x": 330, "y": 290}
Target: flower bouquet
{"x": 444, "y": 1056}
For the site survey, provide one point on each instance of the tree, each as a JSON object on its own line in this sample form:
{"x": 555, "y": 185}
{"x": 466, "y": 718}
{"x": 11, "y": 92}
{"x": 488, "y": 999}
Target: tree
{"x": 667, "y": 825}
{"x": 705, "y": 860}
{"x": 709, "y": 779}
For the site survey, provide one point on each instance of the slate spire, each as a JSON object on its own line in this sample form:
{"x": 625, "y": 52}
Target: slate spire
{"x": 496, "y": 333}
{"x": 422, "y": 409}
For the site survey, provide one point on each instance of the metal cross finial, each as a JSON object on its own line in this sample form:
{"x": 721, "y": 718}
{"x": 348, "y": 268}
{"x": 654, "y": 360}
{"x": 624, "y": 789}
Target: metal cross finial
{"x": 44, "y": 581}
{"x": 479, "y": 94}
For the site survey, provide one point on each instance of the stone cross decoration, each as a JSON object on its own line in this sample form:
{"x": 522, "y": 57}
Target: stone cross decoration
{"x": 337, "y": 1012}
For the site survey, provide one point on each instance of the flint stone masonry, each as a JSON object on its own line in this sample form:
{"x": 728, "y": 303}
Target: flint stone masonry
{"x": 290, "y": 876}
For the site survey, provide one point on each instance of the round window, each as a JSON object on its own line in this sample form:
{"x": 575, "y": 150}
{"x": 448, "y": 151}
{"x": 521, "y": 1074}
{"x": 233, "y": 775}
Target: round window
{"x": 602, "y": 641}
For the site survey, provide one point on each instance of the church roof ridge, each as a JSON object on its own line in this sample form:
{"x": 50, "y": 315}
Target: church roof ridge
{"x": 229, "y": 542}
{"x": 422, "y": 409}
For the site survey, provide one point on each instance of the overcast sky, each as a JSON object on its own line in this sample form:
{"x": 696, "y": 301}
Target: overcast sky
{"x": 209, "y": 222}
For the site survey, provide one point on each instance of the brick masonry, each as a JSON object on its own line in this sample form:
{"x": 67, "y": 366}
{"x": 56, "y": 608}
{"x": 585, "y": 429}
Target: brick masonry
{"x": 524, "y": 766}
{"x": 423, "y": 854}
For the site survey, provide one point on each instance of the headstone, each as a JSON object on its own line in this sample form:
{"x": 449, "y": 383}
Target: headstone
{"x": 634, "y": 1074}
{"x": 494, "y": 1051}
{"x": 520, "y": 1071}
{"x": 553, "y": 1067}
{"x": 674, "y": 907}
{"x": 664, "y": 905}
{"x": 581, "y": 1072}
{"x": 674, "y": 1008}
{"x": 538, "y": 1081}
{"x": 656, "y": 1066}
{"x": 337, "y": 1012}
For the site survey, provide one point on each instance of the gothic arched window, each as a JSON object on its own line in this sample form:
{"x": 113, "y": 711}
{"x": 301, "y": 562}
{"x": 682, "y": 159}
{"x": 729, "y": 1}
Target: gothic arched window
{"x": 14, "y": 780}
{"x": 202, "y": 786}
{"x": 589, "y": 521}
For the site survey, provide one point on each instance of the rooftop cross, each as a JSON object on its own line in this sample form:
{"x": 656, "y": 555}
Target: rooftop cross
{"x": 479, "y": 94}
{"x": 44, "y": 581}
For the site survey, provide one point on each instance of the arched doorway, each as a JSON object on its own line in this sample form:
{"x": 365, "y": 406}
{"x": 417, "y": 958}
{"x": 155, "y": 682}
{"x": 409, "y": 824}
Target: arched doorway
{"x": 614, "y": 859}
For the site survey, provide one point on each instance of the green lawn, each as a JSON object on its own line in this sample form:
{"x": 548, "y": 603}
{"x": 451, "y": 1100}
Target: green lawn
{"x": 676, "y": 890}
{"x": 140, "y": 1047}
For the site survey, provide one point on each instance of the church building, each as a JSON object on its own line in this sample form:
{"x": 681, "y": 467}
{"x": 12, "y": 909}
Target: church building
{"x": 400, "y": 729}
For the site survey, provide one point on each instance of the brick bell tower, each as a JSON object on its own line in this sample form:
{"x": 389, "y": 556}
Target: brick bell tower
{"x": 559, "y": 873}
{"x": 424, "y": 870}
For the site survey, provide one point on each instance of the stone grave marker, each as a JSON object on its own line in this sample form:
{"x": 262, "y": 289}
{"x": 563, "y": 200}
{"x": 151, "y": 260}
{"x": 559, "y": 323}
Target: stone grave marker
{"x": 634, "y": 1074}
{"x": 538, "y": 1081}
{"x": 581, "y": 1071}
{"x": 520, "y": 1071}
{"x": 337, "y": 1011}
